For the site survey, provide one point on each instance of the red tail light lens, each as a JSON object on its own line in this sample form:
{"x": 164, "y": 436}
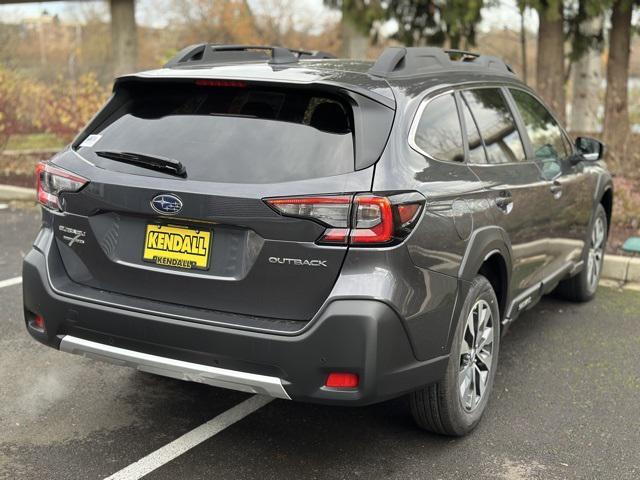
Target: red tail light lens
{"x": 54, "y": 180}
{"x": 335, "y": 235}
{"x": 362, "y": 220}
{"x": 332, "y": 211}
{"x": 342, "y": 380}
{"x": 407, "y": 213}
{"x": 373, "y": 220}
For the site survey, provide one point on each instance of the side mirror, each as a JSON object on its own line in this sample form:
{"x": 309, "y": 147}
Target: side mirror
{"x": 591, "y": 149}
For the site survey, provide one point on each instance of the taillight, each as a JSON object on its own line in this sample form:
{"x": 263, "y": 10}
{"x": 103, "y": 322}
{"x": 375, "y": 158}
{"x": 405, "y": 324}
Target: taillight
{"x": 373, "y": 220}
{"x": 331, "y": 210}
{"x": 363, "y": 219}
{"x": 52, "y": 181}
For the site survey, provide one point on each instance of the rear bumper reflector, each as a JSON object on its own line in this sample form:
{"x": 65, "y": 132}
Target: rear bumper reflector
{"x": 169, "y": 367}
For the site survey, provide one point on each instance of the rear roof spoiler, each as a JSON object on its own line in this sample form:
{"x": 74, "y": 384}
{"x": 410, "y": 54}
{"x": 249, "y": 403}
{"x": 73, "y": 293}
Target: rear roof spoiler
{"x": 204, "y": 54}
{"x": 404, "y": 62}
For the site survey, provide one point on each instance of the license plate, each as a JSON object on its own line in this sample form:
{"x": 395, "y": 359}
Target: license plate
{"x": 180, "y": 247}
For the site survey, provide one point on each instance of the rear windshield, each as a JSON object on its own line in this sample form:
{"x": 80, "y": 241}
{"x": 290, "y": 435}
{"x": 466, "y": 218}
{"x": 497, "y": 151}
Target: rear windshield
{"x": 239, "y": 133}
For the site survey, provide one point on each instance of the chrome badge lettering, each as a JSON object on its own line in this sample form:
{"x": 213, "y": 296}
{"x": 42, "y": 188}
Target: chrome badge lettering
{"x": 525, "y": 303}
{"x": 73, "y": 235}
{"x": 298, "y": 262}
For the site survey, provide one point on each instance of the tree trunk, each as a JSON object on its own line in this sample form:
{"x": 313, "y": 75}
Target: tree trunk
{"x": 354, "y": 43}
{"x": 616, "y": 113}
{"x": 550, "y": 58}
{"x": 523, "y": 46}
{"x": 124, "y": 40}
{"x": 587, "y": 77}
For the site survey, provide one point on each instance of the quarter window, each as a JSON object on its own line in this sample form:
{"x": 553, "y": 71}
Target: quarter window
{"x": 438, "y": 133}
{"x": 547, "y": 140}
{"x": 496, "y": 125}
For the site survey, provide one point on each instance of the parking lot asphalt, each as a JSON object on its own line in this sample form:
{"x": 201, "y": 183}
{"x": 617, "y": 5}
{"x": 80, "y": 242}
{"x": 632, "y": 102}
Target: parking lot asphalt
{"x": 565, "y": 405}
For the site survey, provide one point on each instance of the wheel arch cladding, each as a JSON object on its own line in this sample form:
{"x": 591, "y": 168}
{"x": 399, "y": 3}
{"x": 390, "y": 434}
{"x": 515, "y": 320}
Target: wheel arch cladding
{"x": 606, "y": 200}
{"x": 494, "y": 269}
{"x": 483, "y": 244}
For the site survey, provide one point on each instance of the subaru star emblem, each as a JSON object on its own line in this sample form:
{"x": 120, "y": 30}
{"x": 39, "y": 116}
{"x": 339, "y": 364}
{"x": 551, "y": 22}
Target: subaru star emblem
{"x": 166, "y": 203}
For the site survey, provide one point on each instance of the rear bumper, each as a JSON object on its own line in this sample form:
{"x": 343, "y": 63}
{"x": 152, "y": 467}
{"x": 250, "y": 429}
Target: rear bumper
{"x": 170, "y": 367}
{"x": 365, "y": 337}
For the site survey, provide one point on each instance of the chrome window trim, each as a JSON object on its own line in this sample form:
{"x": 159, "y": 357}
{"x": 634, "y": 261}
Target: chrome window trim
{"x": 429, "y": 96}
{"x": 416, "y": 120}
{"x": 501, "y": 88}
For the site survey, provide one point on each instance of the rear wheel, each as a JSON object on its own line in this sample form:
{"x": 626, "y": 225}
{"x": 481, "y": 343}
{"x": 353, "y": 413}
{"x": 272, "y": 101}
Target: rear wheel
{"x": 455, "y": 404}
{"x": 582, "y": 287}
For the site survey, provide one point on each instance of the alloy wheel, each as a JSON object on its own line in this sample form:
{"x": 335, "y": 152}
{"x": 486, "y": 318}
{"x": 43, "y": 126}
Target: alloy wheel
{"x": 476, "y": 354}
{"x": 596, "y": 253}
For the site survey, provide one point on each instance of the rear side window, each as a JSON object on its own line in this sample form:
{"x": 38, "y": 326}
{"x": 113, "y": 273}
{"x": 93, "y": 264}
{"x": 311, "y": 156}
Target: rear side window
{"x": 438, "y": 133}
{"x": 477, "y": 153}
{"x": 234, "y": 134}
{"x": 496, "y": 125}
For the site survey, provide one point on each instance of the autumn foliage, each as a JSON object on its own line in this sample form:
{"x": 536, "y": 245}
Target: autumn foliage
{"x": 61, "y": 107}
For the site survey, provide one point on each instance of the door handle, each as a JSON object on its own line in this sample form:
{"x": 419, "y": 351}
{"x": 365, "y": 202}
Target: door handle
{"x": 505, "y": 201}
{"x": 556, "y": 189}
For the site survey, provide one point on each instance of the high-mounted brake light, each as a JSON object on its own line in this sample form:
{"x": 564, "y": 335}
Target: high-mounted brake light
{"x": 52, "y": 181}
{"x": 221, "y": 83}
{"x": 359, "y": 220}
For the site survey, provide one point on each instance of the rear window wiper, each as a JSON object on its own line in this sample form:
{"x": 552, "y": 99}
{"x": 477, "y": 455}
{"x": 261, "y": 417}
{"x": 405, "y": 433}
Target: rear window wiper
{"x": 162, "y": 164}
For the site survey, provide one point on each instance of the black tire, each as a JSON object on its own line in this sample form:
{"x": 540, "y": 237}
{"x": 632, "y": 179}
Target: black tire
{"x": 439, "y": 407}
{"x": 581, "y": 287}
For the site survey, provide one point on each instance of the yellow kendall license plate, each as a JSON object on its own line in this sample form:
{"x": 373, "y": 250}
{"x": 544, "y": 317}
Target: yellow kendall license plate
{"x": 181, "y": 247}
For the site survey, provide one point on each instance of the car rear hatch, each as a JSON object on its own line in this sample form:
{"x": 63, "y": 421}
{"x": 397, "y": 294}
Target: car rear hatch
{"x": 205, "y": 238}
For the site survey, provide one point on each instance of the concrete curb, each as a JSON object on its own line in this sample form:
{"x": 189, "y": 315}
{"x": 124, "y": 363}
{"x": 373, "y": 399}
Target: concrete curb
{"x": 635, "y": 287}
{"x": 10, "y": 192}
{"x": 621, "y": 269}
{"x": 633, "y": 270}
{"x": 616, "y": 267}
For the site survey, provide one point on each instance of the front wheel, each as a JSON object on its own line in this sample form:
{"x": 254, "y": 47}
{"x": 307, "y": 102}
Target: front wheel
{"x": 582, "y": 287}
{"x": 455, "y": 404}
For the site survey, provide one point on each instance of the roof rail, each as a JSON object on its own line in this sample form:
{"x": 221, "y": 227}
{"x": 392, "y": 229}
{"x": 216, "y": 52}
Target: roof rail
{"x": 400, "y": 62}
{"x": 312, "y": 54}
{"x": 464, "y": 55}
{"x": 210, "y": 54}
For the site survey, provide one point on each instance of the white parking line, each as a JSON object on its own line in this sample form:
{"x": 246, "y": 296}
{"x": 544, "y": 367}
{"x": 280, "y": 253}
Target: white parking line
{"x": 10, "y": 281}
{"x": 190, "y": 439}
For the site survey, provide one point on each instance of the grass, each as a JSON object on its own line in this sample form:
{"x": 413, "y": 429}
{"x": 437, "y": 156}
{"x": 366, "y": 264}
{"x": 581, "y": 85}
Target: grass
{"x": 34, "y": 141}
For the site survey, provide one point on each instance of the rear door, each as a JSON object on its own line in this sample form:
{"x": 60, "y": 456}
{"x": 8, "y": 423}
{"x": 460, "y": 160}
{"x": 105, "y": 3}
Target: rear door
{"x": 209, "y": 240}
{"x": 516, "y": 190}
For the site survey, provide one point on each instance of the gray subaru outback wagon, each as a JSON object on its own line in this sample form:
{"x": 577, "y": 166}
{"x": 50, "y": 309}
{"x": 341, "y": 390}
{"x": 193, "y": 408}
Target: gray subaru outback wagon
{"x": 344, "y": 232}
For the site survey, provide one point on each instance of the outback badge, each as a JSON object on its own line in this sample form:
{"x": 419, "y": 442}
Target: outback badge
{"x": 166, "y": 204}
